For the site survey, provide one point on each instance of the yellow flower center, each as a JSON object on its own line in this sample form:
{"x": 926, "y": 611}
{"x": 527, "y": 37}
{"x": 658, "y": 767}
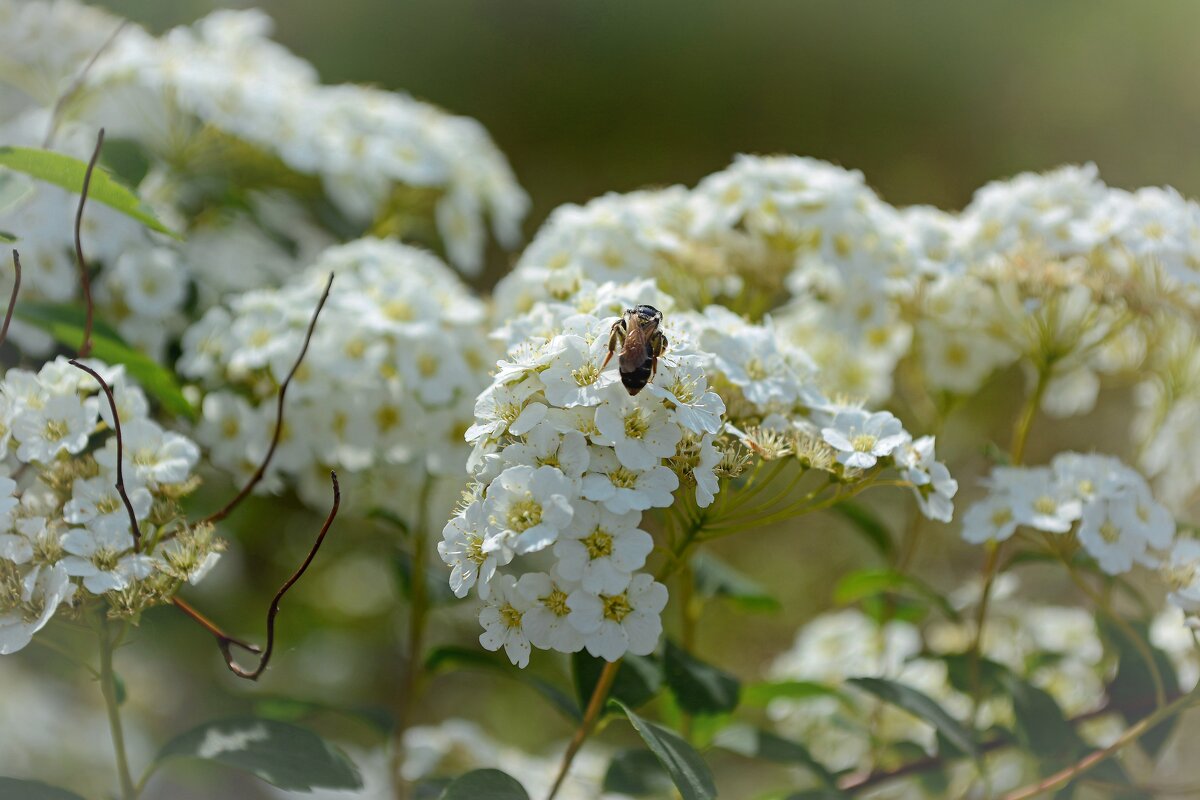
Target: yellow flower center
{"x": 524, "y": 514}
{"x": 863, "y": 442}
{"x": 623, "y": 478}
{"x": 510, "y": 616}
{"x": 756, "y": 370}
{"x": 56, "y": 430}
{"x": 616, "y": 606}
{"x": 1110, "y": 532}
{"x": 586, "y": 375}
{"x": 556, "y": 601}
{"x": 599, "y": 544}
{"x": 636, "y": 424}
{"x": 1045, "y": 505}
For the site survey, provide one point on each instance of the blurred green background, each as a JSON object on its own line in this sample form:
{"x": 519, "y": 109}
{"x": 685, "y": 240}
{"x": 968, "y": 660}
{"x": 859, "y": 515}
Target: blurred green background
{"x": 930, "y": 100}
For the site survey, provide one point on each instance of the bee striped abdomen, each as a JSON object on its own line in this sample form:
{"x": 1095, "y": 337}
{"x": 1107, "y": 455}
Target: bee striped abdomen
{"x": 636, "y": 379}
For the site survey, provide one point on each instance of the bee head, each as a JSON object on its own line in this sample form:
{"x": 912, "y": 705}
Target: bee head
{"x": 646, "y": 315}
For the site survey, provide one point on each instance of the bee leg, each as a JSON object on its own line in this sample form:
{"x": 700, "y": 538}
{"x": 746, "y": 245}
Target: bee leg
{"x": 658, "y": 346}
{"x": 615, "y": 340}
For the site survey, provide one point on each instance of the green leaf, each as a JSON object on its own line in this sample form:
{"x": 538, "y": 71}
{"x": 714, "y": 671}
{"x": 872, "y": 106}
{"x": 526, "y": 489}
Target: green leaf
{"x": 485, "y": 784}
{"x": 754, "y": 742}
{"x": 687, "y": 769}
{"x": 715, "y": 578}
{"x": 1132, "y": 690}
{"x": 281, "y": 754}
{"x": 292, "y": 709}
{"x": 638, "y": 678}
{"x": 472, "y": 658}
{"x": 699, "y": 688}
{"x": 67, "y": 172}
{"x": 66, "y": 325}
{"x": 7, "y": 238}
{"x": 923, "y": 706}
{"x": 866, "y": 523}
{"x": 872, "y": 582}
{"x": 759, "y": 694}
{"x": 637, "y": 773}
{"x": 13, "y": 189}
{"x": 960, "y": 671}
{"x": 15, "y": 789}
{"x": 1041, "y": 727}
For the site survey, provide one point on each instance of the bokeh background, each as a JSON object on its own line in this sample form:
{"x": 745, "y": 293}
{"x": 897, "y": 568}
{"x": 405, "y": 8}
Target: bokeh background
{"x": 929, "y": 100}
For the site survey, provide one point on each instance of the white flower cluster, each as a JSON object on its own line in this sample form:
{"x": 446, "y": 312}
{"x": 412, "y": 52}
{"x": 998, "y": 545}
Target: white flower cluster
{"x": 396, "y": 360}
{"x": 66, "y": 533}
{"x": 1056, "y": 648}
{"x": 224, "y": 75}
{"x": 1107, "y": 505}
{"x": 566, "y": 461}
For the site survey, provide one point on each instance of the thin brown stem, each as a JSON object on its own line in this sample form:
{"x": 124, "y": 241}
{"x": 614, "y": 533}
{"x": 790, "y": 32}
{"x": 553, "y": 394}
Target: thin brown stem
{"x": 224, "y": 641}
{"x": 261, "y": 472}
{"x": 12, "y": 300}
{"x": 595, "y": 706}
{"x": 134, "y": 529}
{"x": 85, "y": 280}
{"x": 77, "y": 84}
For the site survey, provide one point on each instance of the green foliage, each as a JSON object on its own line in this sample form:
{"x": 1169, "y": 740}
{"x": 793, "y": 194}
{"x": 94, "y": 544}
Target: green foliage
{"x": 15, "y": 789}
{"x": 875, "y": 583}
{"x": 638, "y": 678}
{"x": 923, "y": 706}
{"x": 638, "y": 773}
{"x": 1132, "y": 689}
{"x": 279, "y": 753}
{"x": 759, "y": 694}
{"x": 754, "y": 742}
{"x": 687, "y": 769}
{"x": 66, "y": 325}
{"x": 485, "y": 784}
{"x": 868, "y": 524}
{"x": 470, "y": 658}
{"x": 699, "y": 688}
{"x": 68, "y": 173}
{"x": 715, "y": 578}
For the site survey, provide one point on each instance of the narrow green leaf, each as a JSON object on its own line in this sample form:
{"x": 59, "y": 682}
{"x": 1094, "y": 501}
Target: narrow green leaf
{"x": 7, "y": 238}
{"x": 759, "y": 694}
{"x": 960, "y": 671}
{"x": 867, "y": 583}
{"x": 1132, "y": 690}
{"x": 16, "y": 789}
{"x": 638, "y": 678}
{"x": 637, "y": 773}
{"x": 67, "y": 172}
{"x": 922, "y": 706}
{"x": 687, "y": 769}
{"x": 753, "y": 742}
{"x": 866, "y": 523}
{"x": 66, "y": 325}
{"x": 1041, "y": 727}
{"x": 281, "y": 754}
{"x": 472, "y": 658}
{"x": 292, "y": 709}
{"x": 485, "y": 784}
{"x": 699, "y": 688}
{"x": 715, "y": 578}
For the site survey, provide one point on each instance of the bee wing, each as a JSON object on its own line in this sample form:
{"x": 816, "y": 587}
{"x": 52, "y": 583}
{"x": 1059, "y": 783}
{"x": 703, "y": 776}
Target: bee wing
{"x": 636, "y": 349}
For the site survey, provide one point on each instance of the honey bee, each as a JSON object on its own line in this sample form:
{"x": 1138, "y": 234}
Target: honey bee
{"x": 641, "y": 343}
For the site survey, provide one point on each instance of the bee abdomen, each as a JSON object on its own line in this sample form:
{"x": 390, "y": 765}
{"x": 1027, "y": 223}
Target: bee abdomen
{"x": 636, "y": 379}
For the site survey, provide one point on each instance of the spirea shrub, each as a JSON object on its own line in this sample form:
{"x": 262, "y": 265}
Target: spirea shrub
{"x": 953, "y": 452}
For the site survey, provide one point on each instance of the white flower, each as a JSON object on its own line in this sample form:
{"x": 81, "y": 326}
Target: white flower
{"x": 1037, "y": 499}
{"x": 932, "y": 483}
{"x": 640, "y": 430}
{"x": 601, "y": 550}
{"x": 103, "y": 560}
{"x": 685, "y": 388}
{"x": 862, "y": 438}
{"x": 621, "y": 489}
{"x": 503, "y": 408}
{"x": 545, "y": 446}
{"x": 546, "y": 620}
{"x": 1181, "y": 573}
{"x": 527, "y": 508}
{"x": 461, "y": 549}
{"x": 626, "y": 622}
{"x": 573, "y": 377}
{"x": 991, "y": 519}
{"x": 43, "y": 591}
{"x": 96, "y": 504}
{"x": 503, "y": 620}
{"x": 63, "y": 423}
{"x": 1107, "y": 535}
{"x": 704, "y": 471}
{"x": 152, "y": 455}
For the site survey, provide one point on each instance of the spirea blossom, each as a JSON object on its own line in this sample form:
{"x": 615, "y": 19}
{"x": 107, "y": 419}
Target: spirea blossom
{"x": 65, "y": 533}
{"x": 389, "y": 378}
{"x": 1107, "y": 506}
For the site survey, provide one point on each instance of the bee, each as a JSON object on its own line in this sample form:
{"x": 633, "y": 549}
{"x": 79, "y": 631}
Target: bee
{"x": 641, "y": 343}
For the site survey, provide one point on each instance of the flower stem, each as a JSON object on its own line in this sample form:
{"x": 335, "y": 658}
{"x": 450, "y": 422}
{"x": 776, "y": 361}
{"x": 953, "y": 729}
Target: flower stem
{"x": 594, "y": 707}
{"x": 1131, "y": 735}
{"x": 418, "y": 611}
{"x": 108, "y": 687}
